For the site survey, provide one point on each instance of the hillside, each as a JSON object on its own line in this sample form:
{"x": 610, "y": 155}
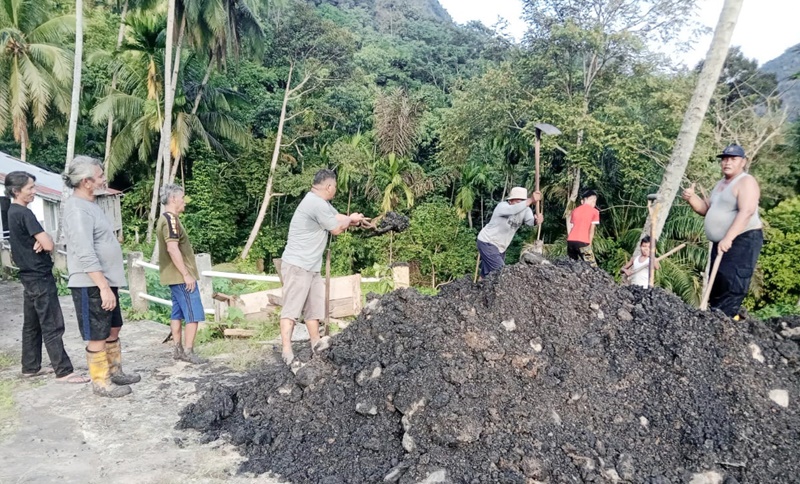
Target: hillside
{"x": 785, "y": 67}
{"x": 413, "y": 9}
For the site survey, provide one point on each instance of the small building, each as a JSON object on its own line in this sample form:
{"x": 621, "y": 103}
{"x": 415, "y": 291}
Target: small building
{"x": 45, "y": 205}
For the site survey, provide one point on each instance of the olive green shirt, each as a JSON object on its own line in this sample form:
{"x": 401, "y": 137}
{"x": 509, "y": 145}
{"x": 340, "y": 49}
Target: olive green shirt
{"x": 169, "y": 229}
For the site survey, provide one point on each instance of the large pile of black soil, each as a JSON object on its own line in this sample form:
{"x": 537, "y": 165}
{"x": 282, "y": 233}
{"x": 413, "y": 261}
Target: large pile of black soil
{"x": 546, "y": 373}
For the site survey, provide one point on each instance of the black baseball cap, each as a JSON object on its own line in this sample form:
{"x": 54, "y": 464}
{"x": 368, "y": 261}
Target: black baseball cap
{"x": 732, "y": 150}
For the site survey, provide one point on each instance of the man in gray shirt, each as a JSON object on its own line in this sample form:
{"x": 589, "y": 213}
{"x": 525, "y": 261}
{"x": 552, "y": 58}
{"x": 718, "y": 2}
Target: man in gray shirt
{"x": 94, "y": 261}
{"x": 303, "y": 287}
{"x": 507, "y": 218}
{"x": 733, "y": 226}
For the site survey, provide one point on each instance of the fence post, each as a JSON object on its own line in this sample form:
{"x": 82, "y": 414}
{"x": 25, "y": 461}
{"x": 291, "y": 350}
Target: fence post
{"x": 400, "y": 275}
{"x": 203, "y": 262}
{"x": 137, "y": 282}
{"x": 59, "y": 259}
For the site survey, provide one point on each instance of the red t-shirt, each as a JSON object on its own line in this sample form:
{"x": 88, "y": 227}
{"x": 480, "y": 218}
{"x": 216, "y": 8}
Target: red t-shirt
{"x": 582, "y": 219}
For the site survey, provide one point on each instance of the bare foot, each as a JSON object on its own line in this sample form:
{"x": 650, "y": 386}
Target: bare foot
{"x": 73, "y": 378}
{"x": 288, "y": 357}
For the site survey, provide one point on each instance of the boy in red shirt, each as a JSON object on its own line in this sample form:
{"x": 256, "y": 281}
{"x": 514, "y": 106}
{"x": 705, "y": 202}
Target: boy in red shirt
{"x": 582, "y": 223}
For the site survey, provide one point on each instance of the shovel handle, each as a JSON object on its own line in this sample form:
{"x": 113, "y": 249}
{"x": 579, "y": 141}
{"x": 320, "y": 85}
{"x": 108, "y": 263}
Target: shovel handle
{"x": 711, "y": 277}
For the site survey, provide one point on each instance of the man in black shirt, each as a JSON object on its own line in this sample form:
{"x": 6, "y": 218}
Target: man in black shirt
{"x": 43, "y": 320}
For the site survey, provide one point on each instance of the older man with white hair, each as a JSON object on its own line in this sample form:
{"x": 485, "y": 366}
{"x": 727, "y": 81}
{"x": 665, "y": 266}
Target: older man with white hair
{"x": 507, "y": 218}
{"x": 178, "y": 270}
{"x": 96, "y": 272}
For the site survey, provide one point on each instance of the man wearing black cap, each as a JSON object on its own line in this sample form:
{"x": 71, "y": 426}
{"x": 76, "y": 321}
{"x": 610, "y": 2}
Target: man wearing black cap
{"x": 733, "y": 225}
{"x": 582, "y": 224}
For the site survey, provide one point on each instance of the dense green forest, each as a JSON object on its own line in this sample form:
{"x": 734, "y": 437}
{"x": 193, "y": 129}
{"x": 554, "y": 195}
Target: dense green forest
{"x": 415, "y": 113}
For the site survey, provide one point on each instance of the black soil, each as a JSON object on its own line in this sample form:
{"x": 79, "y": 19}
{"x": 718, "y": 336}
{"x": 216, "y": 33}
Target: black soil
{"x": 391, "y": 222}
{"x": 547, "y": 373}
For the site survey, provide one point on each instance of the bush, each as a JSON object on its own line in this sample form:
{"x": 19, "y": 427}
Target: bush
{"x": 439, "y": 241}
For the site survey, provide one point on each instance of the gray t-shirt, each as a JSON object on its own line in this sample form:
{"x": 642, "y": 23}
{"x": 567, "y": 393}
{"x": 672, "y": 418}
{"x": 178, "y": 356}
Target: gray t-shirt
{"x": 506, "y": 219}
{"x": 92, "y": 245}
{"x": 308, "y": 232}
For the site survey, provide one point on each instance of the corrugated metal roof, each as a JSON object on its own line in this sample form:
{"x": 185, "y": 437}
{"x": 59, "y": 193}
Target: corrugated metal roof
{"x": 48, "y": 184}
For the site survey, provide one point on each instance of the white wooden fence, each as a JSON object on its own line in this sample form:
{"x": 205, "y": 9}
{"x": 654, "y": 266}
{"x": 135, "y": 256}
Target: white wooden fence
{"x": 137, "y": 281}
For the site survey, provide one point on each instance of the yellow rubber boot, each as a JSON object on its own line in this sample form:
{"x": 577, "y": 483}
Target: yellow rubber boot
{"x": 114, "y": 355}
{"x": 101, "y": 376}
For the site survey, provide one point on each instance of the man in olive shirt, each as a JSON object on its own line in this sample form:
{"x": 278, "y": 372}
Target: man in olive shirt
{"x": 179, "y": 271}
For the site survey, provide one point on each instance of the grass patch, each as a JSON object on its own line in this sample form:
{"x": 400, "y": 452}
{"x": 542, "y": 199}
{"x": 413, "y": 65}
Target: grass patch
{"x": 6, "y": 398}
{"x": 6, "y": 360}
{"x": 239, "y": 354}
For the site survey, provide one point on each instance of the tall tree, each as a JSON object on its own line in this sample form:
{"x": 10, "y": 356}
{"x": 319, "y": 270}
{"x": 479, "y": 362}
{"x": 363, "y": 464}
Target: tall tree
{"x": 695, "y": 113}
{"x": 581, "y": 47}
{"x": 76, "y": 86}
{"x": 35, "y": 68}
{"x": 310, "y": 46}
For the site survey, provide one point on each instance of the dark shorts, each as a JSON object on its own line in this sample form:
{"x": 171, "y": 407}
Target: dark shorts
{"x": 186, "y": 306}
{"x": 491, "y": 258}
{"x": 574, "y": 250}
{"x": 94, "y": 322}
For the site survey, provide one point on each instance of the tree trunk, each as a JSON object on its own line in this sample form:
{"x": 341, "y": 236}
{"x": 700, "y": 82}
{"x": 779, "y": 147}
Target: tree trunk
{"x": 482, "y": 215}
{"x": 469, "y": 218}
{"x": 76, "y": 84}
{"x": 23, "y": 147}
{"x": 273, "y": 164}
{"x": 73, "y": 111}
{"x": 110, "y": 127}
{"x": 151, "y": 218}
{"x": 166, "y": 128}
{"x": 695, "y": 113}
{"x": 203, "y": 84}
{"x": 174, "y": 170}
{"x": 163, "y": 162}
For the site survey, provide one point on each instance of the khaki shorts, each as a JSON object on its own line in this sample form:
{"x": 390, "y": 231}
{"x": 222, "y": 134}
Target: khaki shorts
{"x": 303, "y": 293}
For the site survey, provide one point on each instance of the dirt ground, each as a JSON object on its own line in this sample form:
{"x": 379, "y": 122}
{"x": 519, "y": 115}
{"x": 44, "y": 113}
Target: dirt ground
{"x": 57, "y": 432}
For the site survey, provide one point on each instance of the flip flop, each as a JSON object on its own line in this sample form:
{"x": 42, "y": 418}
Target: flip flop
{"x": 43, "y": 371}
{"x": 73, "y": 378}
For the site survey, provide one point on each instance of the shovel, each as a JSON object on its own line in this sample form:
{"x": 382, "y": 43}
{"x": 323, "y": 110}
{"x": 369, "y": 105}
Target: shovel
{"x": 652, "y": 208}
{"x": 538, "y": 247}
{"x": 711, "y": 277}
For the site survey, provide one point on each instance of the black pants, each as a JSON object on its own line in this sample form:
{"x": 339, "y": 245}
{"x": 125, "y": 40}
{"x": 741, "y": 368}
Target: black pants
{"x": 43, "y": 323}
{"x": 574, "y": 250}
{"x": 735, "y": 271}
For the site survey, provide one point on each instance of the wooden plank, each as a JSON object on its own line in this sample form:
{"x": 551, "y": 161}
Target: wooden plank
{"x": 239, "y": 333}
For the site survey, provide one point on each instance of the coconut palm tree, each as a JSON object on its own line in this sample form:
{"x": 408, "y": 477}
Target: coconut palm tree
{"x": 138, "y": 103}
{"x": 35, "y": 68}
{"x": 76, "y": 88}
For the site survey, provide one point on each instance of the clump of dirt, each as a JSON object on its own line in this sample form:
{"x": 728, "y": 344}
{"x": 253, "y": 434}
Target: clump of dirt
{"x": 547, "y": 373}
{"x": 391, "y": 222}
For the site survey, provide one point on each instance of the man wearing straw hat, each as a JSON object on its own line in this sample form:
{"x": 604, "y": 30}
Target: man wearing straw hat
{"x": 507, "y": 218}
{"x": 733, "y": 226}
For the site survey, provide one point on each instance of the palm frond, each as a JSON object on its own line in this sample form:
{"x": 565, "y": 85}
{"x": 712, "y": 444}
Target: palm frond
{"x": 55, "y": 59}
{"x": 53, "y": 31}
{"x": 38, "y": 90}
{"x": 121, "y": 106}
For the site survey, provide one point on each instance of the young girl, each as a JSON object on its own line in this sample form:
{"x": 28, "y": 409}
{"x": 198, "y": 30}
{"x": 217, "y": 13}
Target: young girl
{"x": 636, "y": 269}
